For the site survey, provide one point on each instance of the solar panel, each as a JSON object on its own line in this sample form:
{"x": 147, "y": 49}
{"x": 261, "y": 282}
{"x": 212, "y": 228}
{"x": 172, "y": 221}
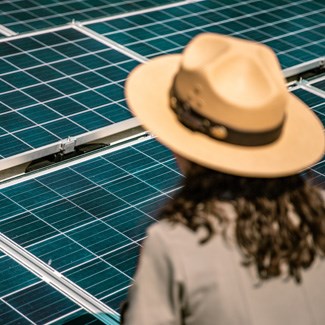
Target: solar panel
{"x": 293, "y": 29}
{"x": 87, "y": 221}
{"x": 319, "y": 84}
{"x": 22, "y": 297}
{"x": 23, "y": 16}
{"x": 314, "y": 101}
{"x": 58, "y": 85}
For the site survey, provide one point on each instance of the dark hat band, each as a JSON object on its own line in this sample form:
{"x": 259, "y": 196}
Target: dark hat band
{"x": 218, "y": 131}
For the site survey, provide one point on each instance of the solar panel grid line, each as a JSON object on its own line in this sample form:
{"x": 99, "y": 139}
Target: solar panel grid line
{"x": 89, "y": 222}
{"x": 82, "y": 55}
{"x": 32, "y": 308}
{"x": 313, "y": 90}
{"x": 153, "y": 38}
{"x": 294, "y": 17}
{"x": 172, "y": 159}
{"x": 273, "y": 24}
{"x": 137, "y": 12}
{"x": 18, "y": 290}
{"x": 320, "y": 79}
{"x": 26, "y": 11}
{"x": 36, "y": 33}
{"x": 57, "y": 280}
{"x": 60, "y": 13}
{"x": 49, "y": 101}
{"x": 59, "y": 232}
{"x": 102, "y": 187}
{"x": 111, "y": 43}
{"x": 101, "y": 256}
{"x": 293, "y": 33}
{"x": 162, "y": 52}
{"x": 73, "y": 229}
{"x": 21, "y": 140}
{"x": 61, "y": 95}
{"x": 95, "y": 274}
{"x": 6, "y": 31}
{"x": 17, "y": 311}
{"x": 63, "y": 318}
{"x": 64, "y": 95}
{"x": 188, "y": 33}
{"x": 210, "y": 10}
{"x": 85, "y": 191}
{"x": 74, "y": 267}
{"x": 68, "y": 42}
{"x": 145, "y": 11}
{"x": 112, "y": 293}
{"x": 134, "y": 174}
{"x": 23, "y": 129}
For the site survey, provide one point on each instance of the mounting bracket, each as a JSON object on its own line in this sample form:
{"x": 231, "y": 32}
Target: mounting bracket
{"x": 68, "y": 145}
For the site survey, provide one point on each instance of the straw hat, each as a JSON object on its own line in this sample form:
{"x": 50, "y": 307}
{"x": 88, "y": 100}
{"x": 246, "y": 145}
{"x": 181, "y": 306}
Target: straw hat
{"x": 223, "y": 103}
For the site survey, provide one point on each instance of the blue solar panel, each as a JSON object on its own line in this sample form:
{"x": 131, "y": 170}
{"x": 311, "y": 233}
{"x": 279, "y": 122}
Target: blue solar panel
{"x": 293, "y": 29}
{"x": 317, "y": 104}
{"x": 57, "y": 85}
{"x": 22, "y": 297}
{"x": 87, "y": 221}
{"x": 27, "y": 15}
{"x": 319, "y": 84}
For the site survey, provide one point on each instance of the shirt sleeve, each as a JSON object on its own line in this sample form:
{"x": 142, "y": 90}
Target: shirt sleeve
{"x": 155, "y": 297}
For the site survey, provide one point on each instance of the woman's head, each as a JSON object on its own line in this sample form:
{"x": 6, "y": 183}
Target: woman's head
{"x": 223, "y": 103}
{"x": 279, "y": 223}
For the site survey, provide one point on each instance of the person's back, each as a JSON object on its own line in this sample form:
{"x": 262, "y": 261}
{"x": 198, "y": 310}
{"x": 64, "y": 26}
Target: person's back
{"x": 209, "y": 262}
{"x": 217, "y": 289}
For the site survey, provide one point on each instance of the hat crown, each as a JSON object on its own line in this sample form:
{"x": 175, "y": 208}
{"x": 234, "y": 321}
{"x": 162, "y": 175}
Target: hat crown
{"x": 238, "y": 83}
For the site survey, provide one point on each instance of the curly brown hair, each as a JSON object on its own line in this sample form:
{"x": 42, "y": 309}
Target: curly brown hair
{"x": 279, "y": 225}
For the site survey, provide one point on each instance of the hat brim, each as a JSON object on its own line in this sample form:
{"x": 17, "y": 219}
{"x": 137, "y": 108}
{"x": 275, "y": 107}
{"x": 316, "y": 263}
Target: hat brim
{"x": 300, "y": 145}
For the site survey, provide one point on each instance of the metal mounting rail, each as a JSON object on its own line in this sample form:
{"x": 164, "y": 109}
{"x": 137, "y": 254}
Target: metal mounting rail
{"x": 58, "y": 281}
{"x": 108, "y": 42}
{"x": 314, "y": 90}
{"x": 35, "y": 33}
{"x": 6, "y": 31}
{"x": 303, "y": 67}
{"x": 68, "y": 144}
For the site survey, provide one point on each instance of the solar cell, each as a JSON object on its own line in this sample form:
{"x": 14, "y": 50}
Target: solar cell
{"x": 293, "y": 29}
{"x": 23, "y": 16}
{"x": 87, "y": 220}
{"x": 57, "y": 85}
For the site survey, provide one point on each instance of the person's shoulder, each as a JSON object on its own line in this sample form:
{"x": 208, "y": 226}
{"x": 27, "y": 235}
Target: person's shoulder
{"x": 160, "y": 238}
{"x": 165, "y": 228}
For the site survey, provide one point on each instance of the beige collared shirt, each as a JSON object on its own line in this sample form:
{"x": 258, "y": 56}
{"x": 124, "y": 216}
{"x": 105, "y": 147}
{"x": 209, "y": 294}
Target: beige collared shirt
{"x": 179, "y": 281}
